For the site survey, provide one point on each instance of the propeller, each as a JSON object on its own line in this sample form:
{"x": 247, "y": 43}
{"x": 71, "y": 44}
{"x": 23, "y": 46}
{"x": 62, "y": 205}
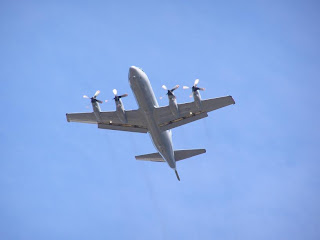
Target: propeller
{"x": 116, "y": 97}
{"x": 94, "y": 98}
{"x": 194, "y": 87}
{"x": 169, "y": 91}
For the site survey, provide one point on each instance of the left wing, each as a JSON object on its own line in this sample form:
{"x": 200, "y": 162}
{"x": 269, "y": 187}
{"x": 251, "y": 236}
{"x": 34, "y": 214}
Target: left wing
{"x": 81, "y": 117}
{"x": 111, "y": 121}
{"x": 188, "y": 112}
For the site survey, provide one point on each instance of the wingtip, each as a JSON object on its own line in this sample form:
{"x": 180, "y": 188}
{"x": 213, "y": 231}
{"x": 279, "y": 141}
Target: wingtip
{"x": 234, "y": 102}
{"x": 67, "y": 117}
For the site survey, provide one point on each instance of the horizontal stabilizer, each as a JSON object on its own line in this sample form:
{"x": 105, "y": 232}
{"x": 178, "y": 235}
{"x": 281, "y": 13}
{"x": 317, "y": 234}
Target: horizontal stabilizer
{"x": 153, "y": 157}
{"x": 178, "y": 155}
{"x": 183, "y": 154}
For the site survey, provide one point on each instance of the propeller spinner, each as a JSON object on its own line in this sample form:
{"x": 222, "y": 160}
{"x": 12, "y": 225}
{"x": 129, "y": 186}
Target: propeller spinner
{"x": 169, "y": 91}
{"x": 94, "y": 98}
{"x": 116, "y": 97}
{"x": 194, "y": 87}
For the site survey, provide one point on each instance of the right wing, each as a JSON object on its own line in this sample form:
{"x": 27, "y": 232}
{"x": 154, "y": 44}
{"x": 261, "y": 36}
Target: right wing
{"x": 188, "y": 112}
{"x": 111, "y": 121}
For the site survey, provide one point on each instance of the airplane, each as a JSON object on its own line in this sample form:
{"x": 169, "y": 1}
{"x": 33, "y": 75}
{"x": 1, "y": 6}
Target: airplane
{"x": 152, "y": 119}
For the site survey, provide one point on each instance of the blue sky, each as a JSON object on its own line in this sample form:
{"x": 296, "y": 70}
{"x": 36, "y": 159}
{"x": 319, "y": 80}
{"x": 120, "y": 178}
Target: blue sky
{"x": 260, "y": 176}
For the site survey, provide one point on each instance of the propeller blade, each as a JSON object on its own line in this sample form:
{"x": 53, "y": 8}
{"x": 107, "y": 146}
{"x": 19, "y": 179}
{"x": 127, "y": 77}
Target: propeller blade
{"x": 96, "y": 94}
{"x": 99, "y": 101}
{"x": 106, "y": 100}
{"x": 196, "y": 82}
{"x": 164, "y": 87}
{"x": 191, "y": 95}
{"x": 202, "y": 89}
{"x": 115, "y": 91}
{"x": 176, "y": 87}
{"x": 123, "y": 95}
{"x": 85, "y": 96}
{"x": 186, "y": 87}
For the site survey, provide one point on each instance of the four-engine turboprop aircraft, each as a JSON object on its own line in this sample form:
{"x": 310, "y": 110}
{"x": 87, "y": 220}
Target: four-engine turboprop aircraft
{"x": 152, "y": 119}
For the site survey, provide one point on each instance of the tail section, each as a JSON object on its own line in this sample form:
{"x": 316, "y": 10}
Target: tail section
{"x": 178, "y": 155}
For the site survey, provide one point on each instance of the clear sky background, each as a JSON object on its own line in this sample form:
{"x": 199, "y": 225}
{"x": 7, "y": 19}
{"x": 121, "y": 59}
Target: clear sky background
{"x": 260, "y": 176}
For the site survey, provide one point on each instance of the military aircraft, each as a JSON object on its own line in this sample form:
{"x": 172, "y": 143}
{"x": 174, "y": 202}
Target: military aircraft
{"x": 152, "y": 119}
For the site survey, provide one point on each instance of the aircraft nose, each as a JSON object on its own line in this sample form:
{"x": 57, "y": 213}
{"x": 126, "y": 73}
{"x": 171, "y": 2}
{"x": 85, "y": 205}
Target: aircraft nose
{"x": 133, "y": 71}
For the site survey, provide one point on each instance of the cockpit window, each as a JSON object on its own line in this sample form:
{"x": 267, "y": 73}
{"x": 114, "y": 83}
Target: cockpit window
{"x": 141, "y": 69}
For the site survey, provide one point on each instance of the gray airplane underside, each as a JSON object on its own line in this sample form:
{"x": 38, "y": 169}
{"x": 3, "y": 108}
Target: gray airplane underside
{"x": 152, "y": 119}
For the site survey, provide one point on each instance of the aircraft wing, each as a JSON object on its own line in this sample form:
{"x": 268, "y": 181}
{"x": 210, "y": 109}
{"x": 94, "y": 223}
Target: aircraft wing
{"x": 111, "y": 121}
{"x": 188, "y": 112}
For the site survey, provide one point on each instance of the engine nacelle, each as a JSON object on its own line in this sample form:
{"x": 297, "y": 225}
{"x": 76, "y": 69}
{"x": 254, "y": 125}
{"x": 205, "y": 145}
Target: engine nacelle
{"x": 120, "y": 111}
{"x": 173, "y": 106}
{"x": 96, "y": 110}
{"x": 197, "y": 99}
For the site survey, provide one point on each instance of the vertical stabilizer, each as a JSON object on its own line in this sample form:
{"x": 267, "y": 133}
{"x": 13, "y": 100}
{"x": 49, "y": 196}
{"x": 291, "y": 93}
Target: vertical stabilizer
{"x": 177, "y": 174}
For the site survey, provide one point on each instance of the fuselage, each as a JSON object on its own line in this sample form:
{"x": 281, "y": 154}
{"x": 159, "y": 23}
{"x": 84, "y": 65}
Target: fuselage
{"x": 141, "y": 87}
